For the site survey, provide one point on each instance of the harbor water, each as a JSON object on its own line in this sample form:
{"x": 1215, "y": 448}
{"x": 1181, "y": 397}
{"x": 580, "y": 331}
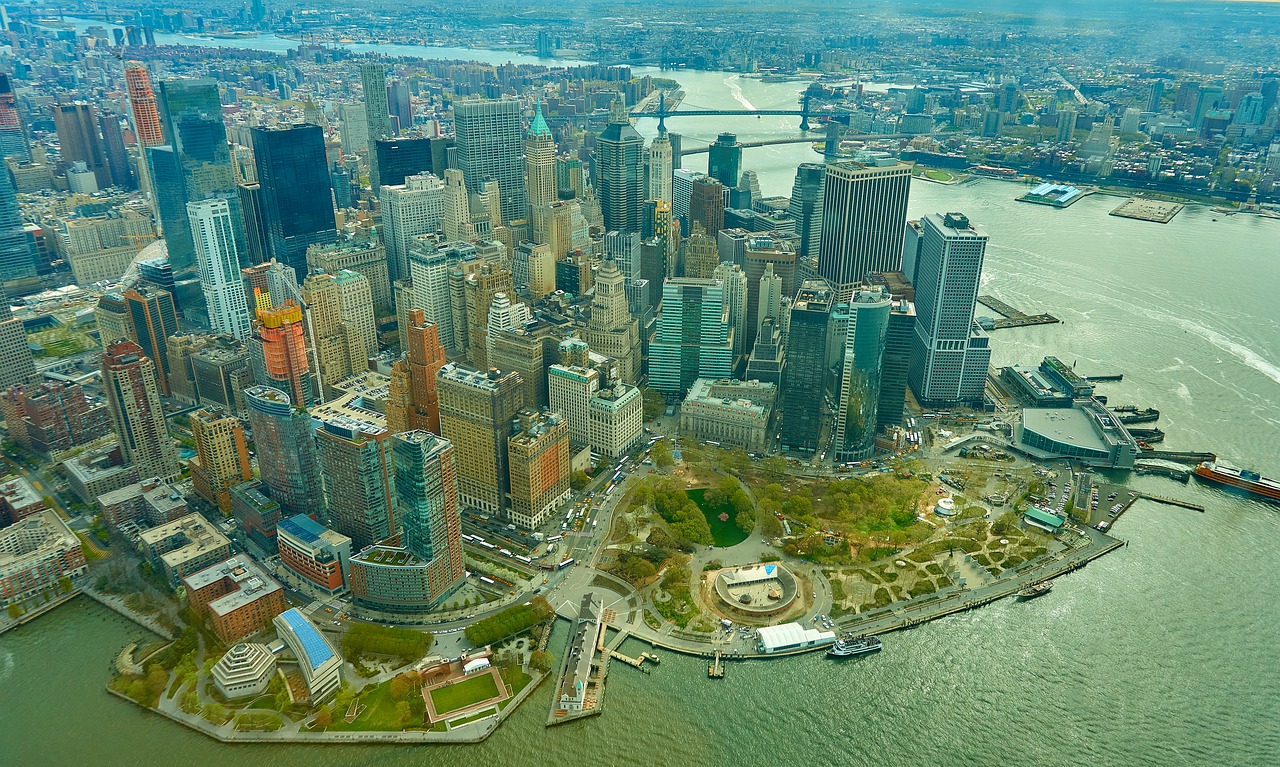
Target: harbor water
{"x": 1161, "y": 653}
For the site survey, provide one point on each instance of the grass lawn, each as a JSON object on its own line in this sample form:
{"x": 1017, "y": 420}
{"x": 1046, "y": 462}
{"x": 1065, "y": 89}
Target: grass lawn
{"x": 938, "y": 175}
{"x": 380, "y": 715}
{"x": 465, "y": 693}
{"x": 726, "y": 532}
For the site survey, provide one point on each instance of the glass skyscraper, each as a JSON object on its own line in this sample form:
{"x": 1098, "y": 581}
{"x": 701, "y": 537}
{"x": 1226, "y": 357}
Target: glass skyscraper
{"x": 853, "y": 438}
{"x": 297, "y": 199}
{"x": 806, "y": 365}
{"x": 619, "y": 173}
{"x": 490, "y": 143}
{"x": 864, "y": 218}
{"x": 284, "y": 438}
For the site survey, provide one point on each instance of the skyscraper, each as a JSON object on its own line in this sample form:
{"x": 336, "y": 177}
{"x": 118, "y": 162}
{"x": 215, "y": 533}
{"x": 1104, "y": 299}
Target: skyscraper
{"x": 113, "y": 148}
{"x": 13, "y": 138}
{"x": 489, "y": 143}
{"x": 221, "y": 460}
{"x": 17, "y": 258}
{"x": 373, "y": 77}
{"x": 660, "y": 169}
{"x": 476, "y": 410}
{"x": 619, "y": 172}
{"x": 765, "y": 253}
{"x": 78, "y": 141}
{"x": 864, "y": 215}
{"x": 724, "y": 159}
{"x": 538, "y": 458}
{"x": 398, "y": 158}
{"x": 806, "y": 207}
{"x": 414, "y": 397}
{"x": 191, "y": 113}
{"x": 400, "y": 106}
{"x": 133, "y": 395}
{"x": 297, "y": 198}
{"x": 853, "y": 436}
{"x": 356, "y": 462}
{"x": 540, "y": 164}
{"x": 409, "y": 210}
{"x": 426, "y": 488}
{"x": 706, "y": 205}
{"x": 429, "y": 273}
{"x": 694, "y": 338}
{"x": 803, "y": 382}
{"x": 612, "y": 331}
{"x": 278, "y": 351}
{"x": 285, "y": 441}
{"x": 218, "y": 264}
{"x": 951, "y": 354}
{"x": 456, "y": 220}
{"x": 142, "y": 101}
{"x": 897, "y": 362}
{"x": 155, "y": 318}
{"x": 18, "y": 365}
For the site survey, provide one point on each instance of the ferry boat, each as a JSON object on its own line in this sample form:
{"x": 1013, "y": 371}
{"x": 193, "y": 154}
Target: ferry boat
{"x": 847, "y": 646}
{"x": 1243, "y": 479}
{"x": 1038, "y": 590}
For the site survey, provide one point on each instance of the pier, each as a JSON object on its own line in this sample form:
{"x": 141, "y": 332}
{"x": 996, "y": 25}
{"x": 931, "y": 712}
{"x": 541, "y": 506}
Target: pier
{"x": 1172, "y": 502}
{"x": 716, "y": 669}
{"x": 1103, "y": 378}
{"x": 1014, "y": 318}
{"x": 1144, "y": 469}
{"x": 1179, "y": 457}
{"x": 579, "y": 689}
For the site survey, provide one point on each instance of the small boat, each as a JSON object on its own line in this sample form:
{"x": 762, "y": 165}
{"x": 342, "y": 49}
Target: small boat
{"x": 854, "y": 645}
{"x": 1038, "y": 590}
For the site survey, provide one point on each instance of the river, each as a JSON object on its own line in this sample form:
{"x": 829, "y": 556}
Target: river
{"x": 1161, "y": 653}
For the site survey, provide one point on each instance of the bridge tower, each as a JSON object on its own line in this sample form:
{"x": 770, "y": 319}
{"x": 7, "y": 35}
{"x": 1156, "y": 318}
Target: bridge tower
{"x": 831, "y": 148}
{"x": 804, "y": 113}
{"x": 662, "y": 113}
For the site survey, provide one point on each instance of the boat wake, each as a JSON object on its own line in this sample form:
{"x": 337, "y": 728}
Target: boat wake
{"x": 1240, "y": 351}
{"x": 735, "y": 90}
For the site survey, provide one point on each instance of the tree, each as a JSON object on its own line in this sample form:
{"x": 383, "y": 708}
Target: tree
{"x": 662, "y": 454}
{"x": 774, "y": 467}
{"x": 654, "y": 404}
{"x": 579, "y": 479}
{"x": 403, "y": 714}
{"x": 541, "y": 660}
{"x": 402, "y": 685}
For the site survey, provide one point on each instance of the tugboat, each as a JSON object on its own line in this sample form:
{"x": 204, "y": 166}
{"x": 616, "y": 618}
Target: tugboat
{"x": 854, "y": 645}
{"x": 1038, "y": 590}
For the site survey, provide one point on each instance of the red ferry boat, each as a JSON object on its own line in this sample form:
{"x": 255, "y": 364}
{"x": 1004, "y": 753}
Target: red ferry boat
{"x": 1243, "y": 479}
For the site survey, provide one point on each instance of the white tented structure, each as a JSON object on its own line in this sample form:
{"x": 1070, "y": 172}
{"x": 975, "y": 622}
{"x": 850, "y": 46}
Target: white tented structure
{"x": 474, "y": 665}
{"x": 792, "y": 636}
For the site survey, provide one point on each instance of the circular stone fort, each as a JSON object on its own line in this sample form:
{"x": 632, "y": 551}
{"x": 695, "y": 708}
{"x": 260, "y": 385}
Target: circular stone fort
{"x": 761, "y": 589}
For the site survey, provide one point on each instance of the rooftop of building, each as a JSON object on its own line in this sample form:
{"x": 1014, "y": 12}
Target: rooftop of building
{"x": 201, "y": 538}
{"x": 702, "y": 392}
{"x": 304, "y": 639}
{"x": 388, "y": 556}
{"x": 18, "y": 493}
{"x": 249, "y": 583}
{"x": 33, "y": 537}
{"x": 93, "y": 464}
{"x": 1084, "y": 425}
{"x": 309, "y": 531}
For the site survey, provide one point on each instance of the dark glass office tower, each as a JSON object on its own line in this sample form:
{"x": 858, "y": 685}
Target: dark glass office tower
{"x": 724, "y": 159}
{"x": 297, "y": 200}
{"x": 17, "y": 257}
{"x": 191, "y": 114}
{"x": 806, "y": 366}
{"x": 619, "y": 173}
{"x": 117, "y": 156}
{"x": 400, "y": 157}
{"x": 806, "y": 207}
{"x": 255, "y": 227}
{"x": 169, "y": 190}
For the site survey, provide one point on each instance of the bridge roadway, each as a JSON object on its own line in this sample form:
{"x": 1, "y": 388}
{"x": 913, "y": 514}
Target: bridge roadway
{"x": 801, "y": 140}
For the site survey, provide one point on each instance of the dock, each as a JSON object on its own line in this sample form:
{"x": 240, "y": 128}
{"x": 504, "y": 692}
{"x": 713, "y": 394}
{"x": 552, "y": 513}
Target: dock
{"x": 634, "y": 662}
{"x": 1172, "y": 502}
{"x": 1103, "y": 378}
{"x": 1014, "y": 318}
{"x": 1158, "y": 470}
{"x": 1179, "y": 457}
{"x": 716, "y": 669}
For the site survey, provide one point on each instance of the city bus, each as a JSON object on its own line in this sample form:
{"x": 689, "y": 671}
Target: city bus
{"x": 565, "y": 563}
